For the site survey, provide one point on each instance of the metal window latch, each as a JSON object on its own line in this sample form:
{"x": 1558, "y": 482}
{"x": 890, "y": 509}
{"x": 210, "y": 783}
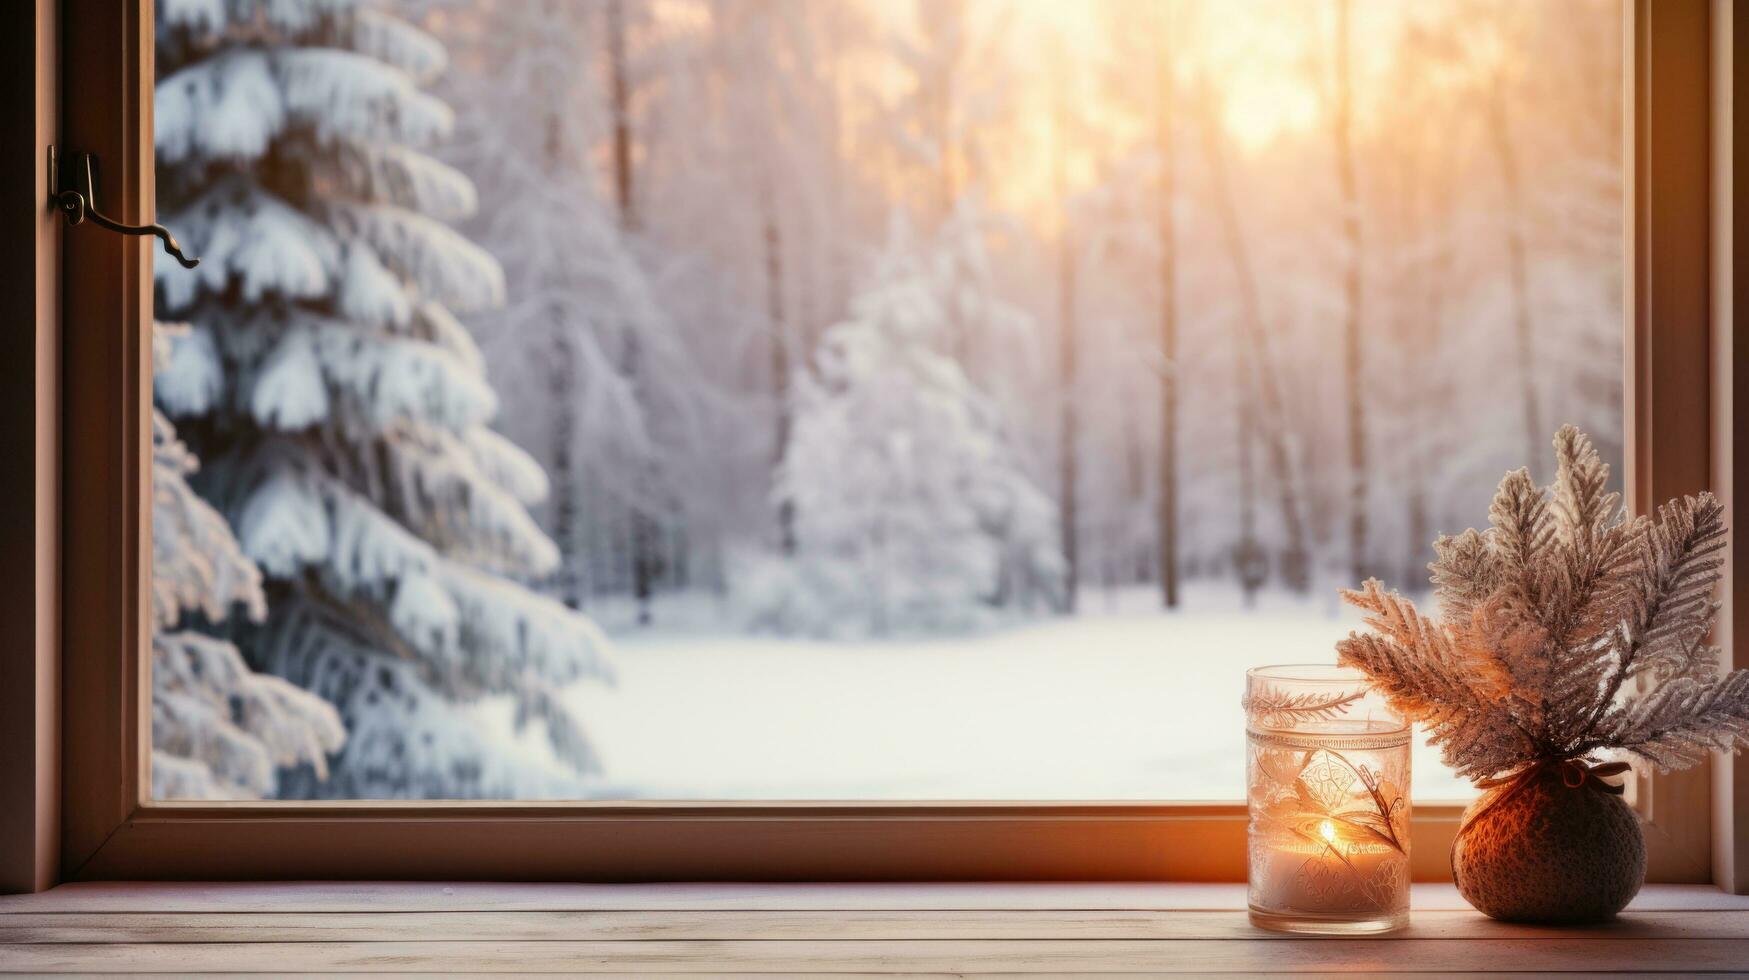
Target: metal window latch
{"x": 73, "y": 192}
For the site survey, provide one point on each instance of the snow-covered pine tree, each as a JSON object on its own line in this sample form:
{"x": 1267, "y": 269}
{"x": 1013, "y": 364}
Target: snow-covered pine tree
{"x": 339, "y": 407}
{"x": 219, "y": 730}
{"x": 758, "y": 214}
{"x": 911, "y": 513}
{"x": 984, "y": 334}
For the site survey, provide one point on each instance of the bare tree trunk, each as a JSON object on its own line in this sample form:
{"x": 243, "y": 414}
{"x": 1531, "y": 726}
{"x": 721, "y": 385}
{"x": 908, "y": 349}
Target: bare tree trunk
{"x": 1166, "y": 520}
{"x": 1429, "y": 395}
{"x": 619, "y": 95}
{"x": 1068, "y": 382}
{"x": 1418, "y": 329}
{"x": 780, "y": 371}
{"x": 1250, "y": 566}
{"x": 1271, "y": 415}
{"x": 1248, "y": 560}
{"x": 1130, "y": 556}
{"x": 1352, "y": 347}
{"x": 1068, "y": 433}
{"x": 1517, "y": 260}
{"x": 565, "y": 493}
{"x": 645, "y": 558}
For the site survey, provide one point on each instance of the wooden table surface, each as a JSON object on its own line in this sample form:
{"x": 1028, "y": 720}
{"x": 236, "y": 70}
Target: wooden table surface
{"x": 314, "y": 927}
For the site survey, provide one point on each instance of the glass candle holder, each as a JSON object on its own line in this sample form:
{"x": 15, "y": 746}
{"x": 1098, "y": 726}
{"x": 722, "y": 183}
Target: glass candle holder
{"x": 1327, "y": 767}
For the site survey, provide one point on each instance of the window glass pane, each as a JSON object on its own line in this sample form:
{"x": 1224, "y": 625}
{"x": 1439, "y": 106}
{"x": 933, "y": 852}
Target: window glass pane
{"x": 840, "y": 399}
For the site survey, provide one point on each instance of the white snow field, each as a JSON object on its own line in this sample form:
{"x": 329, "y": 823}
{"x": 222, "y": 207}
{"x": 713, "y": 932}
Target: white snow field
{"x": 1123, "y": 701}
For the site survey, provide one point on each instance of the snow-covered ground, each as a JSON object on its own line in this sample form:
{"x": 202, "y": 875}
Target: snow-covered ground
{"x": 1121, "y": 702}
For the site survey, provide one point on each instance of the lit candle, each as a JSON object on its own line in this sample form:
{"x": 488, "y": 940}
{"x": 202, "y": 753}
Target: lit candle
{"x": 1332, "y": 878}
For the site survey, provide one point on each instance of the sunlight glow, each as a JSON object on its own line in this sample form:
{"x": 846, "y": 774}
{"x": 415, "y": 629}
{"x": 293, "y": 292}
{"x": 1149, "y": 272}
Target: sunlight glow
{"x": 1263, "y": 67}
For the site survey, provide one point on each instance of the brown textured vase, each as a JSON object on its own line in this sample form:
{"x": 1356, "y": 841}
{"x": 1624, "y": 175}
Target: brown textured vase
{"x": 1548, "y": 851}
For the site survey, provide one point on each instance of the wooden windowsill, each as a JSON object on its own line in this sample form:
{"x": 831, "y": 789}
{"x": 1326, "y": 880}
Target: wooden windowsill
{"x": 817, "y": 928}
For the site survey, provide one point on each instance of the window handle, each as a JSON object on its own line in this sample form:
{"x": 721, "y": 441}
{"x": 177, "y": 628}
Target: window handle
{"x": 74, "y": 194}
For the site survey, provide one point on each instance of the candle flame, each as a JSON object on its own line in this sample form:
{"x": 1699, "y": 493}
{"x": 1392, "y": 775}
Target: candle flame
{"x": 1328, "y": 830}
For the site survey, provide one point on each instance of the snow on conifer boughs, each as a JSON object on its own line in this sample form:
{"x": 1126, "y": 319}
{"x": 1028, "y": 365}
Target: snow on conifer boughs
{"x": 340, "y": 407}
{"x": 910, "y": 510}
{"x": 1548, "y": 615}
{"x": 219, "y": 730}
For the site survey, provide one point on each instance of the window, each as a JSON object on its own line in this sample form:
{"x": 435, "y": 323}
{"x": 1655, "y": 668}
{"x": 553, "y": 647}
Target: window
{"x": 112, "y": 833}
{"x": 943, "y": 401}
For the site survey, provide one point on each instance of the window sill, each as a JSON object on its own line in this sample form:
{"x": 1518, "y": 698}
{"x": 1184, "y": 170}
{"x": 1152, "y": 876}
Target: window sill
{"x": 812, "y": 928}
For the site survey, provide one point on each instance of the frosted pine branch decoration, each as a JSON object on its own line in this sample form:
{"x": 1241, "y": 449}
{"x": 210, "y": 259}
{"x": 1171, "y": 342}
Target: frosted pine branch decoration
{"x": 1566, "y": 629}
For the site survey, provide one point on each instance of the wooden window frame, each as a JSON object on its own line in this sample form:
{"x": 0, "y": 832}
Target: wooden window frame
{"x": 1671, "y": 420}
{"x": 1730, "y": 402}
{"x": 75, "y": 707}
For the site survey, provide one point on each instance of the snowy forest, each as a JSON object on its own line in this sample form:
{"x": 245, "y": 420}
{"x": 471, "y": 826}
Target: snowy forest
{"x": 839, "y": 399}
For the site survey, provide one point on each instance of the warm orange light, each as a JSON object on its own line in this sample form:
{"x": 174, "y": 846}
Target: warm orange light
{"x": 1047, "y": 110}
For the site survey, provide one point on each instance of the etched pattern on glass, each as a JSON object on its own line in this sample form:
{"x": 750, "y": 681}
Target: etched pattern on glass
{"x": 1327, "y": 769}
{"x": 1335, "y": 820}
